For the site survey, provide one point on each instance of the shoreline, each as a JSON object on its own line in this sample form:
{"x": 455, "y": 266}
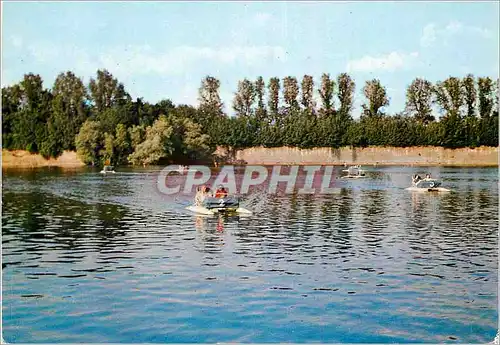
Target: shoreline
{"x": 21, "y": 159}
{"x": 368, "y": 156}
{"x": 430, "y": 156}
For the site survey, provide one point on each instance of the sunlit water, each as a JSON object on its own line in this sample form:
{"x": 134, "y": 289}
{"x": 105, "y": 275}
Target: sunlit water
{"x": 91, "y": 258}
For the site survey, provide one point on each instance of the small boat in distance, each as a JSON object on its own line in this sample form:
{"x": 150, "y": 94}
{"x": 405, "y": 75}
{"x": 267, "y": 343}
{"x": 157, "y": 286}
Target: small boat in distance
{"x": 427, "y": 184}
{"x": 108, "y": 169}
{"x": 354, "y": 172}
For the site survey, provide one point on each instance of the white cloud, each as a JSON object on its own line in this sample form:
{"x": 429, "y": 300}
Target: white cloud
{"x": 390, "y": 62}
{"x": 496, "y": 69}
{"x": 143, "y": 60}
{"x": 453, "y": 27}
{"x": 63, "y": 57}
{"x": 16, "y": 41}
{"x": 44, "y": 53}
{"x": 428, "y": 35}
{"x": 227, "y": 96}
{"x": 188, "y": 94}
{"x": 131, "y": 62}
{"x": 262, "y": 18}
{"x": 431, "y": 32}
{"x": 251, "y": 26}
{"x": 7, "y": 79}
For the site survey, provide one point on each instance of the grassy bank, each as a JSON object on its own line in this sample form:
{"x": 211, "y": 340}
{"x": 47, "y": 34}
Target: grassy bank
{"x": 24, "y": 159}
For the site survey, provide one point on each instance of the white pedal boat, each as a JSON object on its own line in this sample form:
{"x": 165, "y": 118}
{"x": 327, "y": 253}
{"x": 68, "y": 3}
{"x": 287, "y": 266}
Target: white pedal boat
{"x": 427, "y": 185}
{"x": 211, "y": 206}
{"x": 108, "y": 169}
{"x": 354, "y": 172}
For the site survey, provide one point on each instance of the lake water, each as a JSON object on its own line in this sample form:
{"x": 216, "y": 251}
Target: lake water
{"x": 91, "y": 258}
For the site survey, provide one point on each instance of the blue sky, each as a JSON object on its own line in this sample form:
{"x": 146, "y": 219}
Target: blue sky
{"x": 162, "y": 50}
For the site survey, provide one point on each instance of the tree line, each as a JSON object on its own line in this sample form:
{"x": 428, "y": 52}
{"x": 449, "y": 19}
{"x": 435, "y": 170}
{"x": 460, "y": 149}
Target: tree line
{"x": 102, "y": 122}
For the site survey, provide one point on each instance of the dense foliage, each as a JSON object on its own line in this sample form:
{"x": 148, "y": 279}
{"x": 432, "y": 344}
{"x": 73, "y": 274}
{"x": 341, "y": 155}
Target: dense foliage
{"x": 102, "y": 122}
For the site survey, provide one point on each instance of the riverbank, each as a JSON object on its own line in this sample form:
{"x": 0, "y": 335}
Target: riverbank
{"x": 410, "y": 156}
{"x": 24, "y": 159}
{"x": 376, "y": 155}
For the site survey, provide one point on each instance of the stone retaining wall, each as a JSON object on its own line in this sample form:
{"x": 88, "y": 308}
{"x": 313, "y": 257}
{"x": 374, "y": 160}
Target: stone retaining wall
{"x": 419, "y": 156}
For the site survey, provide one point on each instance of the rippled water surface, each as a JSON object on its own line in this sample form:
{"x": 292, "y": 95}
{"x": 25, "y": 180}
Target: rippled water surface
{"x": 91, "y": 258}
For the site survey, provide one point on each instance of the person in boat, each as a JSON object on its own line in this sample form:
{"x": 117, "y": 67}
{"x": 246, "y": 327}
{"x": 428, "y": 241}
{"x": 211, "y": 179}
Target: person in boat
{"x": 207, "y": 193}
{"x": 201, "y": 193}
{"x": 221, "y": 192}
{"x": 427, "y": 176}
{"x": 198, "y": 198}
{"x": 416, "y": 178}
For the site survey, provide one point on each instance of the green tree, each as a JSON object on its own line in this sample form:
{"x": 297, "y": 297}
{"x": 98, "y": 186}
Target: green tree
{"x": 244, "y": 98}
{"x": 496, "y": 106}
{"x": 486, "y": 96}
{"x": 106, "y": 92}
{"x": 110, "y": 118}
{"x": 51, "y": 146}
{"x": 89, "y": 142}
{"x": 29, "y": 122}
{"x": 307, "y": 100}
{"x": 300, "y": 130}
{"x": 470, "y": 95}
{"x": 187, "y": 140}
{"x": 121, "y": 144}
{"x": 163, "y": 107}
{"x": 274, "y": 94}
{"x": 291, "y": 92}
{"x": 452, "y": 132}
{"x": 137, "y": 135}
{"x": 210, "y": 111}
{"x": 419, "y": 98}
{"x": 108, "y": 150}
{"x": 488, "y": 130}
{"x": 195, "y": 142}
{"x": 376, "y": 96}
{"x": 332, "y": 131}
{"x": 32, "y": 88}
{"x": 69, "y": 107}
{"x": 449, "y": 96}
{"x": 11, "y": 102}
{"x": 326, "y": 92}
{"x": 209, "y": 98}
{"x": 345, "y": 95}
{"x": 157, "y": 144}
{"x": 356, "y": 135}
{"x": 260, "y": 87}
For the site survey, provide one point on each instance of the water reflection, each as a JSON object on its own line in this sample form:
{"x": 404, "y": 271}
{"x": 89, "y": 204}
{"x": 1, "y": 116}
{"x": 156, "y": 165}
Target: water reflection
{"x": 373, "y": 207}
{"x": 38, "y": 217}
{"x": 79, "y": 250}
{"x": 210, "y": 224}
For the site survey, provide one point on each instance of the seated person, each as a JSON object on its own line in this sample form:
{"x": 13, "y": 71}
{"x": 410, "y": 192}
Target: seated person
{"x": 207, "y": 192}
{"x": 201, "y": 193}
{"x": 198, "y": 198}
{"x": 416, "y": 178}
{"x": 428, "y": 176}
{"x": 221, "y": 192}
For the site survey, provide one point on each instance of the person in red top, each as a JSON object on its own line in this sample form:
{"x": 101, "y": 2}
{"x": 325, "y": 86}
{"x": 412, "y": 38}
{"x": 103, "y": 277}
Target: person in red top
{"x": 220, "y": 192}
